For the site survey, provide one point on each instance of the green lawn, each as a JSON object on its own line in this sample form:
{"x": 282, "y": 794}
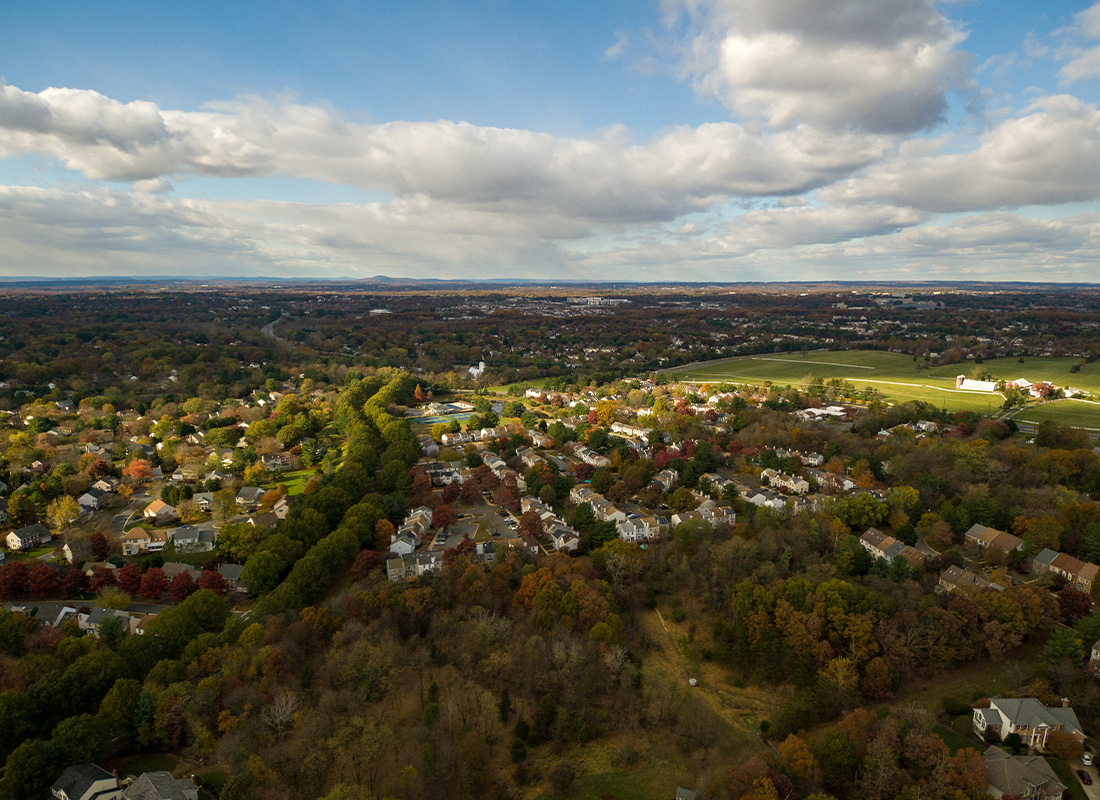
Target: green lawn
{"x": 895, "y": 375}
{"x": 642, "y": 783}
{"x": 38, "y": 552}
{"x": 1066, "y": 775}
{"x": 295, "y": 481}
{"x": 1078, "y": 413}
{"x": 955, "y": 741}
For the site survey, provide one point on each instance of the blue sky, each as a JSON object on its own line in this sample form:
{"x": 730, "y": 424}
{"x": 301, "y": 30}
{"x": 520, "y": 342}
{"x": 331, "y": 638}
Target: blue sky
{"x": 687, "y": 139}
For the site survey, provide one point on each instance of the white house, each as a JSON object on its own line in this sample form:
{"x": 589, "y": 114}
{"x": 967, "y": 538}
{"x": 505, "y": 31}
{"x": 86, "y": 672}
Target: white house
{"x": 1027, "y": 717}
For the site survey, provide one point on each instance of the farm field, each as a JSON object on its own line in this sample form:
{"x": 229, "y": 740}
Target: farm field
{"x": 893, "y": 374}
{"x": 1078, "y": 413}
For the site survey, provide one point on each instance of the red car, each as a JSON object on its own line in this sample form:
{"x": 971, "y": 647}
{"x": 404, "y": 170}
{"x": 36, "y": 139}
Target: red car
{"x": 1085, "y": 777}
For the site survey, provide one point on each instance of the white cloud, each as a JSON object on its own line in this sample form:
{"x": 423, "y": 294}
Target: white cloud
{"x": 879, "y": 65}
{"x": 1083, "y": 62}
{"x": 603, "y": 177}
{"x": 617, "y": 48}
{"x": 1047, "y": 155}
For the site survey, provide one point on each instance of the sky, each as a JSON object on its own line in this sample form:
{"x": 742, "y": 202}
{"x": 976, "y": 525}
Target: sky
{"x": 686, "y": 140}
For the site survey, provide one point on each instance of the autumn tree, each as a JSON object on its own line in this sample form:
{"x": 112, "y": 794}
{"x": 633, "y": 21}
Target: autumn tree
{"x": 75, "y": 583}
{"x": 182, "y": 587}
{"x": 128, "y": 579}
{"x": 443, "y": 517}
{"x": 13, "y": 580}
{"x": 102, "y": 578}
{"x": 62, "y": 512}
{"x": 138, "y": 471}
{"x": 42, "y": 582}
{"x": 213, "y": 580}
{"x": 153, "y": 583}
{"x": 21, "y": 510}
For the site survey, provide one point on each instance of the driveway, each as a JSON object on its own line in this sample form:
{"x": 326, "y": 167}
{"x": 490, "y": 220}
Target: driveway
{"x": 1093, "y": 791}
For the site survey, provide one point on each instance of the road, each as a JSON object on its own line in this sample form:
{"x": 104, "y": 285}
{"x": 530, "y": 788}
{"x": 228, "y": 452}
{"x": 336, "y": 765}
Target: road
{"x": 1093, "y": 791}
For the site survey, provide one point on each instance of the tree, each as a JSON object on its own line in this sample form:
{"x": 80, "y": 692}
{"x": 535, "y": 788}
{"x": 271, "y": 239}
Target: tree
{"x": 103, "y": 577}
{"x": 62, "y": 512}
{"x": 562, "y": 776}
{"x": 74, "y": 583}
{"x": 279, "y": 713}
{"x": 365, "y": 563}
{"x": 100, "y": 546}
{"x": 213, "y": 580}
{"x": 13, "y": 580}
{"x": 1073, "y": 605}
{"x": 42, "y": 581}
{"x": 443, "y": 517}
{"x": 181, "y": 587}
{"x": 83, "y": 739}
{"x": 530, "y": 523}
{"x": 21, "y": 510}
{"x": 1063, "y": 645}
{"x": 1064, "y": 745}
{"x": 237, "y": 542}
{"x": 30, "y": 770}
{"x": 138, "y": 471}
{"x": 154, "y": 583}
{"x": 128, "y": 579}
{"x": 262, "y": 572}
{"x": 797, "y": 760}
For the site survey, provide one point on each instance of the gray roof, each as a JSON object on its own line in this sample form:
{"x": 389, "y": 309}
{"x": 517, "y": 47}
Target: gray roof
{"x": 160, "y": 786}
{"x": 896, "y": 549}
{"x": 77, "y": 780}
{"x": 1029, "y": 711}
{"x": 29, "y": 532}
{"x": 1045, "y": 557}
{"x": 1020, "y": 774}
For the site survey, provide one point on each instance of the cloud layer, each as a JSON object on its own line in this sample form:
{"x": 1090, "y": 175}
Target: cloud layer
{"x": 834, "y": 162}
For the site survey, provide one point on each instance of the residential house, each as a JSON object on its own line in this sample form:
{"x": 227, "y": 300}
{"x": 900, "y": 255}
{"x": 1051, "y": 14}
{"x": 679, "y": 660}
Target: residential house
{"x": 231, "y": 573}
{"x": 1077, "y": 573}
{"x": 954, "y": 578}
{"x": 667, "y": 479}
{"x": 86, "y": 782}
{"x": 189, "y": 539}
{"x": 78, "y": 551}
{"x": 265, "y": 520}
{"x": 991, "y": 538}
{"x": 135, "y": 540}
{"x": 413, "y": 565}
{"x": 249, "y": 497}
{"x": 1029, "y": 777}
{"x": 159, "y": 512}
{"x": 160, "y": 786}
{"x": 281, "y": 509}
{"x": 1027, "y": 717}
{"x": 90, "y": 499}
{"x": 204, "y": 500}
{"x": 28, "y": 537}
{"x": 92, "y": 621}
{"x": 453, "y": 439}
{"x": 564, "y": 538}
{"x": 629, "y": 430}
{"x": 427, "y": 445}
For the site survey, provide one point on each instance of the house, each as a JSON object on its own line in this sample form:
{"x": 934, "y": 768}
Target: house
{"x": 160, "y": 786}
{"x": 666, "y": 479}
{"x": 249, "y": 497}
{"x": 86, "y": 782}
{"x": 204, "y": 500}
{"x": 28, "y": 537}
{"x": 78, "y": 551}
{"x": 135, "y": 540}
{"x": 683, "y": 793}
{"x": 92, "y": 621}
{"x": 265, "y": 520}
{"x": 991, "y": 538}
{"x": 954, "y": 578}
{"x": 1027, "y": 717}
{"x": 1078, "y": 574}
{"x": 281, "y": 509}
{"x": 189, "y": 539}
{"x": 876, "y": 542}
{"x": 159, "y": 512}
{"x": 231, "y": 573}
{"x": 1029, "y": 777}
{"x": 90, "y": 499}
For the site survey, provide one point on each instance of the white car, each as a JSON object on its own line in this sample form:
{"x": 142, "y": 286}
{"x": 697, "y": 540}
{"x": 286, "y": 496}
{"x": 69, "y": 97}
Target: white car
{"x": 1086, "y": 759}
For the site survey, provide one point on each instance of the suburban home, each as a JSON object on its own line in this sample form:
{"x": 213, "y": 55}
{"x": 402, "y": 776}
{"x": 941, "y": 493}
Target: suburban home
{"x": 28, "y": 537}
{"x": 189, "y": 539}
{"x": 94, "y": 619}
{"x": 231, "y": 573}
{"x": 264, "y": 520}
{"x": 135, "y": 540}
{"x": 78, "y": 551}
{"x": 1029, "y": 777}
{"x": 1027, "y": 717}
{"x": 160, "y": 786}
{"x": 281, "y": 509}
{"x": 991, "y": 538}
{"x": 204, "y": 500}
{"x": 413, "y": 565}
{"x": 249, "y": 497}
{"x": 159, "y": 512}
{"x": 90, "y": 499}
{"x": 86, "y": 782}
{"x": 954, "y": 578}
{"x": 1077, "y": 573}
{"x": 879, "y": 545}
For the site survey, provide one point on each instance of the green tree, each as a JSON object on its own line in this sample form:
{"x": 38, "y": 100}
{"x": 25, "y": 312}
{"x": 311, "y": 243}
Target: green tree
{"x": 21, "y": 510}
{"x": 262, "y": 572}
{"x": 83, "y": 739}
{"x": 1063, "y": 645}
{"x": 29, "y": 771}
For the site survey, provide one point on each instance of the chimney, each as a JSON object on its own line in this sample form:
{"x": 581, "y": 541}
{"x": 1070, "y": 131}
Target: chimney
{"x": 1065, "y": 702}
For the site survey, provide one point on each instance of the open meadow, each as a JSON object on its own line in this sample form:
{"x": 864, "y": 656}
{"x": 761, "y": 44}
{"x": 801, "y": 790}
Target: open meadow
{"x": 896, "y": 377}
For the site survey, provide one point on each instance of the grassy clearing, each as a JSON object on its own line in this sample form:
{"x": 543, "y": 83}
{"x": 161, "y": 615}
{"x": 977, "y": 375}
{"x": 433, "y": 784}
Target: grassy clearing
{"x": 978, "y": 679}
{"x": 642, "y": 783}
{"x": 1066, "y": 775}
{"x": 295, "y": 481}
{"x": 895, "y": 375}
{"x": 38, "y": 552}
{"x": 1078, "y": 413}
{"x": 955, "y": 741}
{"x": 149, "y": 762}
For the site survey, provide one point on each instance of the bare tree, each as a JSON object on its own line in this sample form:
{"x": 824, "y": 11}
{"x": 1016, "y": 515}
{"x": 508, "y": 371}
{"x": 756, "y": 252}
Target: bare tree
{"x": 279, "y": 713}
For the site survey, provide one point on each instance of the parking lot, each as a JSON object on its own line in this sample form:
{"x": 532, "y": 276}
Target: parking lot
{"x": 483, "y": 516}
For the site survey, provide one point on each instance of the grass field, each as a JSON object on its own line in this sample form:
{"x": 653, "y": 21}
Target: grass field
{"x": 893, "y": 374}
{"x": 295, "y": 481}
{"x": 1078, "y": 413}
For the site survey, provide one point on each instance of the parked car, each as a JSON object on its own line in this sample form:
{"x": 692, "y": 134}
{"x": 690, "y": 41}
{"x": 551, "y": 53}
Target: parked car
{"x": 1086, "y": 759}
{"x": 1085, "y": 777}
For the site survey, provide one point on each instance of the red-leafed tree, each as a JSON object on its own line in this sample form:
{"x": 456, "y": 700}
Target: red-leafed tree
{"x": 154, "y": 583}
{"x": 530, "y": 523}
{"x": 100, "y": 546}
{"x": 418, "y": 394}
{"x": 74, "y": 583}
{"x": 138, "y": 471}
{"x": 469, "y": 492}
{"x": 102, "y": 578}
{"x": 43, "y": 580}
{"x": 421, "y": 486}
{"x": 451, "y": 492}
{"x": 465, "y": 547}
{"x": 13, "y": 580}
{"x": 444, "y": 516}
{"x": 1073, "y": 605}
{"x": 365, "y": 563}
{"x": 182, "y": 587}
{"x": 128, "y": 579}
{"x": 213, "y": 580}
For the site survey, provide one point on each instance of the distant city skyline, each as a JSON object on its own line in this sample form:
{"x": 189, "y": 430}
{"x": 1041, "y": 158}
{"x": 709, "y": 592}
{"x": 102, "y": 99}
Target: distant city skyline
{"x": 680, "y": 140}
